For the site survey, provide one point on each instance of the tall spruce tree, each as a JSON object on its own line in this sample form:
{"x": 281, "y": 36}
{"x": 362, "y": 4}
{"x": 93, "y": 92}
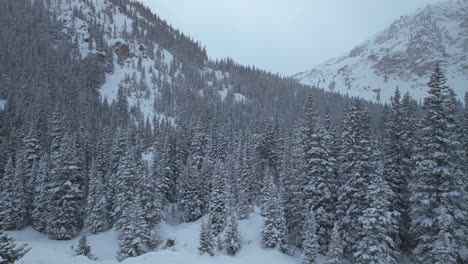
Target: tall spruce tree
{"x": 377, "y": 225}
{"x": 438, "y": 201}
{"x": 97, "y": 215}
{"x": 245, "y": 206}
{"x": 65, "y": 217}
{"x": 41, "y": 202}
{"x": 206, "y": 238}
{"x": 319, "y": 171}
{"x": 356, "y": 169}
{"x": 335, "y": 249}
{"x": 274, "y": 224}
{"x": 12, "y": 199}
{"x": 134, "y": 238}
{"x": 310, "y": 244}
{"x": 218, "y": 200}
{"x": 233, "y": 239}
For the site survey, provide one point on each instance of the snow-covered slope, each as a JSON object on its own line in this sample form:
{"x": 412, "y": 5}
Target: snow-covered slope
{"x": 402, "y": 55}
{"x": 104, "y": 246}
{"x": 139, "y": 67}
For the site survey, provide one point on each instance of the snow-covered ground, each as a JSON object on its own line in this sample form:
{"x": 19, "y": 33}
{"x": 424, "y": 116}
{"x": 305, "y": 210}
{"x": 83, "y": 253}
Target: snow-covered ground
{"x": 104, "y": 246}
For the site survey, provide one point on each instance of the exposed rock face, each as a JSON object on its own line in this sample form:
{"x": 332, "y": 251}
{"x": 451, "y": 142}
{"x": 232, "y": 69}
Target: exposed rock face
{"x": 402, "y": 55}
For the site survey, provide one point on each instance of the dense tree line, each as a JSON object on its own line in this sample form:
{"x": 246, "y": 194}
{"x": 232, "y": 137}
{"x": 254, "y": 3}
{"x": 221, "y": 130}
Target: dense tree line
{"x": 356, "y": 180}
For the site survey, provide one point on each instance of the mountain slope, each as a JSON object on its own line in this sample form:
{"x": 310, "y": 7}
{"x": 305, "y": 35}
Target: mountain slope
{"x": 402, "y": 55}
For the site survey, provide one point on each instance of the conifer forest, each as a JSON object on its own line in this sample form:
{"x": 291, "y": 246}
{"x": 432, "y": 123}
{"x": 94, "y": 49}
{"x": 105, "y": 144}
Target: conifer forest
{"x": 122, "y": 140}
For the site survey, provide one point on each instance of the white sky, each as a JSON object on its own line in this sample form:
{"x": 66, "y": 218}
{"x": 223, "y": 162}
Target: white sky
{"x": 285, "y": 36}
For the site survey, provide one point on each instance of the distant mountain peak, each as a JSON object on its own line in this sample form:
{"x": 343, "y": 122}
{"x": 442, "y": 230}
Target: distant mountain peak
{"x": 404, "y": 55}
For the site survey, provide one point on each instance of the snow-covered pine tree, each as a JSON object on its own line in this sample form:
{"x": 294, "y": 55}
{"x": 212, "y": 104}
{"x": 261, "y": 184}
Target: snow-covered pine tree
{"x": 165, "y": 174}
{"x": 274, "y": 224}
{"x": 438, "y": 198}
{"x": 125, "y": 186}
{"x": 41, "y": 202}
{"x": 66, "y": 200}
{"x": 377, "y": 225}
{"x": 318, "y": 197}
{"x": 465, "y": 134}
{"x": 206, "y": 239}
{"x": 408, "y": 139}
{"x": 12, "y": 199}
{"x": 83, "y": 248}
{"x": 198, "y": 148}
{"x": 396, "y": 157}
{"x": 310, "y": 245}
{"x": 356, "y": 169}
{"x": 245, "y": 207}
{"x": 26, "y": 166}
{"x": 233, "y": 239}
{"x": 218, "y": 200}
{"x": 335, "y": 249}
{"x": 191, "y": 192}
{"x": 293, "y": 178}
{"x": 10, "y": 251}
{"x": 151, "y": 201}
{"x": 442, "y": 250}
{"x": 97, "y": 215}
{"x": 134, "y": 239}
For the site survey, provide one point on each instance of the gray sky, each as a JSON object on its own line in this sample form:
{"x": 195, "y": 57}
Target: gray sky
{"x": 285, "y": 36}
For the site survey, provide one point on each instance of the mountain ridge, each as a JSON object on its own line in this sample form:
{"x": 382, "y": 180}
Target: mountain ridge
{"x": 403, "y": 55}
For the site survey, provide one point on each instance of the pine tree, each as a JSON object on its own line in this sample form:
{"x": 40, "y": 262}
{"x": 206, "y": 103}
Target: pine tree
{"x": 10, "y": 252}
{"x": 397, "y": 156}
{"x": 151, "y": 200}
{"x": 442, "y": 250}
{"x": 66, "y": 196}
{"x": 41, "y": 202}
{"x": 164, "y": 172}
{"x": 97, "y": 215}
{"x": 438, "y": 198}
{"x": 191, "y": 192}
{"x": 356, "y": 169}
{"x": 318, "y": 196}
{"x": 83, "y": 248}
{"x": 310, "y": 244}
{"x": 218, "y": 200}
{"x": 121, "y": 108}
{"x": 274, "y": 226}
{"x": 124, "y": 186}
{"x": 377, "y": 223}
{"x": 134, "y": 239}
{"x": 12, "y": 199}
{"x": 293, "y": 179}
{"x": 335, "y": 250}
{"x": 233, "y": 238}
{"x": 464, "y": 138}
{"x": 206, "y": 239}
{"x": 244, "y": 207}
{"x": 26, "y": 166}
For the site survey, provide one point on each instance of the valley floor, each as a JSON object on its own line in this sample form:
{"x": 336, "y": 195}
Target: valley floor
{"x": 104, "y": 246}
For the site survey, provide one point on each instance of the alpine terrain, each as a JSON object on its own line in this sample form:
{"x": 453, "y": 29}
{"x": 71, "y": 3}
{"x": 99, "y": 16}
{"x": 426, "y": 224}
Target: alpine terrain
{"x": 402, "y": 55}
{"x": 121, "y": 141}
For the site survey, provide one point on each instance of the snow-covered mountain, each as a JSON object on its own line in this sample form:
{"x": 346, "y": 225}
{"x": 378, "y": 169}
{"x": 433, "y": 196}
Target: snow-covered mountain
{"x": 403, "y": 55}
{"x": 141, "y": 64}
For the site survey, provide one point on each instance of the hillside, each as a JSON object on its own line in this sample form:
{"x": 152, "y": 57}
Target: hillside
{"x": 402, "y": 55}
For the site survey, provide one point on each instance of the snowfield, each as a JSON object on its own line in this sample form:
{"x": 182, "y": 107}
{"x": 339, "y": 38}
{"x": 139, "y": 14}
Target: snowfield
{"x": 104, "y": 247}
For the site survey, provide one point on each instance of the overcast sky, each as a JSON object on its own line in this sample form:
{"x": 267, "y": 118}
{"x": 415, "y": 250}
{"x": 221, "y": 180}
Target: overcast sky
{"x": 285, "y": 36}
